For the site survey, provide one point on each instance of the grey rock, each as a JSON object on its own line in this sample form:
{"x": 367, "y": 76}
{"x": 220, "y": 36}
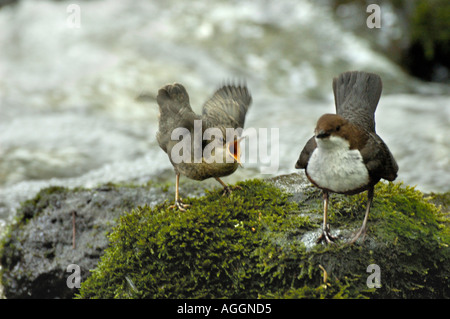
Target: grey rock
{"x": 39, "y": 248}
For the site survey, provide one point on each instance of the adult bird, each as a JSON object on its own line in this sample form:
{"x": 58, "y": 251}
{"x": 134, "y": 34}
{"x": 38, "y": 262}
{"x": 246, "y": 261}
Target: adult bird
{"x": 346, "y": 155}
{"x": 202, "y": 146}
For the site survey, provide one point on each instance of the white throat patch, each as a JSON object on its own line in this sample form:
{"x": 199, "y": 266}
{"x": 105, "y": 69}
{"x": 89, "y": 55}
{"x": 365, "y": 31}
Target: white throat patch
{"x": 334, "y": 166}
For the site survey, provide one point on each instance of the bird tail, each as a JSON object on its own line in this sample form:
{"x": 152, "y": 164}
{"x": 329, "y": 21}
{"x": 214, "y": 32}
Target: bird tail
{"x": 357, "y": 88}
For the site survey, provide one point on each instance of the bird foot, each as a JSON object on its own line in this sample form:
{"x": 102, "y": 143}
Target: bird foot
{"x": 227, "y": 190}
{"x": 179, "y": 205}
{"x": 361, "y": 232}
{"x": 326, "y": 235}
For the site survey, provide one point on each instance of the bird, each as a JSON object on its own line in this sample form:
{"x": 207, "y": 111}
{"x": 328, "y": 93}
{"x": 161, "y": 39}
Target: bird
{"x": 210, "y": 157}
{"x": 346, "y": 155}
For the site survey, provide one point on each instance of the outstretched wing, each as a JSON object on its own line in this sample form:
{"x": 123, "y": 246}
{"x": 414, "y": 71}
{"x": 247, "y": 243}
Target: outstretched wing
{"x": 227, "y": 107}
{"x": 175, "y": 112}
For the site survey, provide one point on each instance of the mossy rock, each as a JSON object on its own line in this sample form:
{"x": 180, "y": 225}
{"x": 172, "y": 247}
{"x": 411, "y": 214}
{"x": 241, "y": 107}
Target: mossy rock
{"x": 38, "y": 246}
{"x": 259, "y": 243}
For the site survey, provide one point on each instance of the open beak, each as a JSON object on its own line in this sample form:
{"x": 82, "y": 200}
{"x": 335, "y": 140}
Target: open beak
{"x": 234, "y": 149}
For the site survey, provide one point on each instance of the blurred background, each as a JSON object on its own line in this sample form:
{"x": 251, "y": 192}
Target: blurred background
{"x": 77, "y": 92}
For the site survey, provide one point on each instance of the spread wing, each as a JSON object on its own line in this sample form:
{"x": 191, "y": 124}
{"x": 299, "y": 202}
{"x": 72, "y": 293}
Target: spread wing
{"x": 227, "y": 107}
{"x": 175, "y": 112}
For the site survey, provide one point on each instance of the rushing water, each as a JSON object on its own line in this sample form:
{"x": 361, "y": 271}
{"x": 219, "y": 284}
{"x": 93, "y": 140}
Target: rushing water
{"x": 77, "y": 101}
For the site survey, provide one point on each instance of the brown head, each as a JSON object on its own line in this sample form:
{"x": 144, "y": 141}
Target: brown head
{"x": 335, "y": 125}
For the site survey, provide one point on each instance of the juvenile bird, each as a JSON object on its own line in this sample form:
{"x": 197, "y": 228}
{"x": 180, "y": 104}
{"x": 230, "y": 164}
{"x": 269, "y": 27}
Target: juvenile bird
{"x": 346, "y": 155}
{"x": 202, "y": 156}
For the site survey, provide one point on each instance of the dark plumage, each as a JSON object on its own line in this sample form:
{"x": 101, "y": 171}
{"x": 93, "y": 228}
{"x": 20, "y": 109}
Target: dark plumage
{"x": 347, "y": 139}
{"x": 226, "y": 109}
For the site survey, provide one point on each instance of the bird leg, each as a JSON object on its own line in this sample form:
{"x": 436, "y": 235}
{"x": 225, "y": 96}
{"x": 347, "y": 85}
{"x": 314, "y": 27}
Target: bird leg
{"x": 326, "y": 235}
{"x": 178, "y": 203}
{"x": 363, "y": 229}
{"x": 227, "y": 189}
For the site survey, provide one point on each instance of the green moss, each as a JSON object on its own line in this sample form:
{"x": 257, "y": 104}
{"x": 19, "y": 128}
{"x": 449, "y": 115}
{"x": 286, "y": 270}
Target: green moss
{"x": 327, "y": 290}
{"x": 252, "y": 244}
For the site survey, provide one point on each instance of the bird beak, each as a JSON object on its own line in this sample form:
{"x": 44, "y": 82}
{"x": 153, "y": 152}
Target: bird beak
{"x": 234, "y": 149}
{"x": 322, "y": 134}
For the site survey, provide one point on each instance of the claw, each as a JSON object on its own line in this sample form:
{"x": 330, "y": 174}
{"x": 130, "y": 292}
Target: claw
{"x": 227, "y": 190}
{"x": 178, "y": 200}
{"x": 326, "y": 235}
{"x": 179, "y": 205}
{"x": 362, "y": 231}
{"x": 325, "y": 227}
